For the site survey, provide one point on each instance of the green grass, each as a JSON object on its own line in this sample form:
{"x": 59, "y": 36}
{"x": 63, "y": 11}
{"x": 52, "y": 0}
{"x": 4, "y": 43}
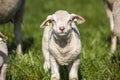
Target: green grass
{"x": 95, "y": 37}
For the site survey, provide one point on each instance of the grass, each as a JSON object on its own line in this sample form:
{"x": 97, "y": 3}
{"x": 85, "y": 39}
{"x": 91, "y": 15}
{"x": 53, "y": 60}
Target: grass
{"x": 95, "y": 37}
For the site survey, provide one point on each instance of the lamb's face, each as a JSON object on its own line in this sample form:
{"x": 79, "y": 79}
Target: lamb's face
{"x": 61, "y": 22}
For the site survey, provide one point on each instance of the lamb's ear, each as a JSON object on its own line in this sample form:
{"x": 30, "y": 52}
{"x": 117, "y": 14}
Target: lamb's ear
{"x": 47, "y": 22}
{"x": 3, "y": 37}
{"x": 77, "y": 18}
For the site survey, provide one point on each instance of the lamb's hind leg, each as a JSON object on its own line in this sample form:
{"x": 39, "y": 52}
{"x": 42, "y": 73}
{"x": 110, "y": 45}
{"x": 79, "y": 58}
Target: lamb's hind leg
{"x": 3, "y": 72}
{"x": 73, "y": 70}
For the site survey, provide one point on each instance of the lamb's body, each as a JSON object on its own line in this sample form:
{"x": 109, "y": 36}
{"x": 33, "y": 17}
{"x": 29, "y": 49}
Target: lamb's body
{"x": 61, "y": 43}
{"x": 66, "y": 50}
{"x": 3, "y": 59}
{"x": 12, "y": 10}
{"x": 116, "y": 18}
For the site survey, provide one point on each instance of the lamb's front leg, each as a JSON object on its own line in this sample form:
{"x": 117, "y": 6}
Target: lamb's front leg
{"x": 54, "y": 69}
{"x": 3, "y": 72}
{"x": 46, "y": 62}
{"x": 46, "y": 53}
{"x": 73, "y": 70}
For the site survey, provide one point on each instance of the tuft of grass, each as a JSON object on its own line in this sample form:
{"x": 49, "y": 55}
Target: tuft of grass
{"x": 95, "y": 37}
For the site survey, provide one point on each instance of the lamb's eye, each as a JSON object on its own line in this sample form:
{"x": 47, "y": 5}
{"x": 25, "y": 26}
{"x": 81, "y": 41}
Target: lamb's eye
{"x": 70, "y": 21}
{"x": 52, "y": 20}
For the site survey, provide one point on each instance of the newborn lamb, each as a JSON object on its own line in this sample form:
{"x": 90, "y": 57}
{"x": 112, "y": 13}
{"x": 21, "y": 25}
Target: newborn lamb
{"x": 61, "y": 43}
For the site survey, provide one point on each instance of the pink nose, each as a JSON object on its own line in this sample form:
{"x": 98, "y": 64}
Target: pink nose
{"x": 62, "y": 28}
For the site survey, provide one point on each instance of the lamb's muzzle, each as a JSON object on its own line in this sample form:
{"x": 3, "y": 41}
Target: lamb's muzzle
{"x": 61, "y": 43}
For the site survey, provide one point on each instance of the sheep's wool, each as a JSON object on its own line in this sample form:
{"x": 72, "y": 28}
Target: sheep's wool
{"x": 65, "y": 55}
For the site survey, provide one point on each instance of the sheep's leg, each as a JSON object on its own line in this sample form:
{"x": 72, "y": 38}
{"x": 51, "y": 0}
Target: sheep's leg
{"x": 113, "y": 43}
{"x": 46, "y": 62}
{"x": 18, "y": 35}
{"x": 110, "y": 16}
{"x": 113, "y": 37}
{"x": 45, "y": 49}
{"x": 46, "y": 56}
{"x": 3, "y": 72}
{"x": 17, "y": 28}
{"x": 73, "y": 70}
{"x": 108, "y": 8}
{"x": 54, "y": 69}
{"x": 17, "y": 31}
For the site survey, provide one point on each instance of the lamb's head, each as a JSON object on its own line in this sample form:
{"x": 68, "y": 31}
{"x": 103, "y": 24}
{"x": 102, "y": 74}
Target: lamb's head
{"x": 61, "y": 22}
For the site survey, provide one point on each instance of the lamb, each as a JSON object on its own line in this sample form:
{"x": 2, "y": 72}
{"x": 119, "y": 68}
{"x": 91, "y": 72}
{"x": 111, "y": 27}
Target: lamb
{"x": 61, "y": 43}
{"x": 3, "y": 57}
{"x": 109, "y": 9}
{"x": 12, "y": 10}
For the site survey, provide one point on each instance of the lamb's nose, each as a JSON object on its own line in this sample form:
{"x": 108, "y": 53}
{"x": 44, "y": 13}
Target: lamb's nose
{"x": 62, "y": 28}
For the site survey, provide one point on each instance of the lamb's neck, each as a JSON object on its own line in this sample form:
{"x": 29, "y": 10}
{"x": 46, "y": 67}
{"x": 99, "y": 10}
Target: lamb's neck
{"x": 63, "y": 42}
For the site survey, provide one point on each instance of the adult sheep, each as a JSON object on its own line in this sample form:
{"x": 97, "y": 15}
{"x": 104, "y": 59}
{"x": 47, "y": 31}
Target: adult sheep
{"x": 61, "y": 43}
{"x": 12, "y": 10}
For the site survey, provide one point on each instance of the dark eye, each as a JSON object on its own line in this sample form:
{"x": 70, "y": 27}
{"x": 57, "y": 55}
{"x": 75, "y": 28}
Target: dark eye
{"x": 52, "y": 20}
{"x": 70, "y": 21}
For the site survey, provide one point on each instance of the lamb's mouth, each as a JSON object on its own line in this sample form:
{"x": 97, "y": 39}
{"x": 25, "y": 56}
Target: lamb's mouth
{"x": 62, "y": 33}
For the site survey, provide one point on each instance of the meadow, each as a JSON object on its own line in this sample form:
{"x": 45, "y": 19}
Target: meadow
{"x": 95, "y": 34}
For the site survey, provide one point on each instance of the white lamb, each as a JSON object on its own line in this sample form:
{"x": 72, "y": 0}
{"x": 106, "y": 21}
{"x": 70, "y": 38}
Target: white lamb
{"x": 61, "y": 43}
{"x": 3, "y": 57}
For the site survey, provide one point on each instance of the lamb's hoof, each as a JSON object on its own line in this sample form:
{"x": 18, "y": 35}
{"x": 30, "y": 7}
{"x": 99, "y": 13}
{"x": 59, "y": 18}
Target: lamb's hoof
{"x": 73, "y": 78}
{"x": 114, "y": 59}
{"x": 46, "y": 66}
{"x": 55, "y": 77}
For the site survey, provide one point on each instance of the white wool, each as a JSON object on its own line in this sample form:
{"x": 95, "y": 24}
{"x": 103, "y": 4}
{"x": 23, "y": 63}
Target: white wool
{"x": 61, "y": 43}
